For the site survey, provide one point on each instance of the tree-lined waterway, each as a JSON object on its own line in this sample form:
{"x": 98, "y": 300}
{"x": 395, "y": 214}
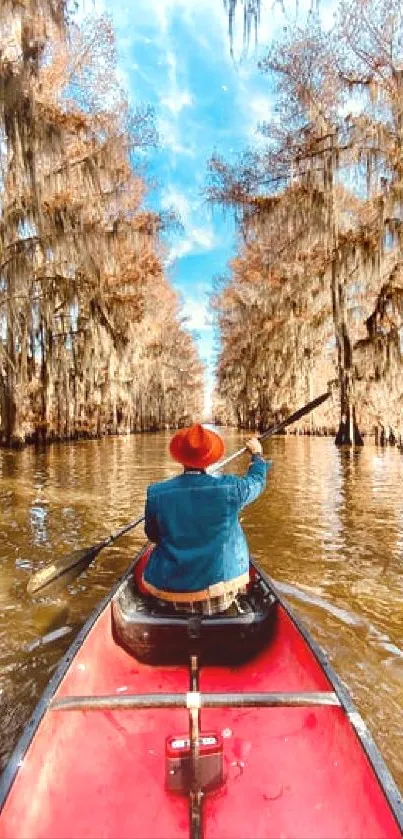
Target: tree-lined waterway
{"x": 329, "y": 529}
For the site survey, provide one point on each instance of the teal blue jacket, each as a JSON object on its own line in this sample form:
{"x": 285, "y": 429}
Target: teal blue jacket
{"x": 193, "y": 520}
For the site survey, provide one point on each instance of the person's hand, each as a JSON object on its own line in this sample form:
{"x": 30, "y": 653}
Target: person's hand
{"x": 254, "y": 446}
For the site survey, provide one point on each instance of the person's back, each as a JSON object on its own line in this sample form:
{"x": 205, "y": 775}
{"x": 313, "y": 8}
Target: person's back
{"x": 201, "y": 551}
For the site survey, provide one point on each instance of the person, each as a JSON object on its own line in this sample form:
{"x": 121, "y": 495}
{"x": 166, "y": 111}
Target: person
{"x": 200, "y": 561}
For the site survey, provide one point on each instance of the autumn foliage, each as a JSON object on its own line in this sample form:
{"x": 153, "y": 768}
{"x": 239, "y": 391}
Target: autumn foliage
{"x": 91, "y": 336}
{"x": 315, "y": 294}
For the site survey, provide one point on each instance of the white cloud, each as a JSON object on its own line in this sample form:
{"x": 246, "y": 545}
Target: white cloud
{"x": 176, "y": 97}
{"x": 176, "y": 101}
{"x": 161, "y": 12}
{"x": 196, "y": 237}
{"x": 259, "y": 107}
{"x": 197, "y": 313}
{"x": 170, "y": 137}
{"x": 183, "y": 248}
{"x": 203, "y": 236}
{"x": 173, "y": 197}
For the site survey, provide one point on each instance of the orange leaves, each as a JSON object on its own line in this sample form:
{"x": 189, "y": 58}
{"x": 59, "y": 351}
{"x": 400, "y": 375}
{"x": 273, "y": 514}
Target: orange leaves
{"x": 94, "y": 330}
{"x": 319, "y": 210}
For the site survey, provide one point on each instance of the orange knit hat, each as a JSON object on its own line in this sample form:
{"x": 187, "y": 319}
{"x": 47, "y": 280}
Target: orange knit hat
{"x": 196, "y": 447}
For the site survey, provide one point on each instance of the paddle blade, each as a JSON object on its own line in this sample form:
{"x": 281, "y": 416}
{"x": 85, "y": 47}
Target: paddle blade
{"x": 306, "y": 409}
{"x": 64, "y": 570}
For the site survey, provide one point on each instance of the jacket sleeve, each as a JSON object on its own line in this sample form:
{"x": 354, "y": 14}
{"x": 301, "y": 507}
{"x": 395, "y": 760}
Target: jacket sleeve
{"x": 151, "y": 524}
{"x": 254, "y": 482}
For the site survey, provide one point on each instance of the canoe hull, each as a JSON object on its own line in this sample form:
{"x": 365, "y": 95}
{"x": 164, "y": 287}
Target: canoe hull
{"x": 290, "y": 772}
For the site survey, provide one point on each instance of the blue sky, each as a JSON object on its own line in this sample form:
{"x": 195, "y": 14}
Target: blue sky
{"x": 175, "y": 56}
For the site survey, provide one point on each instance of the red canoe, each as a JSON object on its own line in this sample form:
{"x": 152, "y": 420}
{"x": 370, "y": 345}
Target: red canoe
{"x": 281, "y": 751}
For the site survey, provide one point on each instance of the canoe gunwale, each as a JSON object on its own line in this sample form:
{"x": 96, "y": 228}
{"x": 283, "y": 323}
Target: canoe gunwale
{"x": 23, "y": 743}
{"x": 384, "y": 776}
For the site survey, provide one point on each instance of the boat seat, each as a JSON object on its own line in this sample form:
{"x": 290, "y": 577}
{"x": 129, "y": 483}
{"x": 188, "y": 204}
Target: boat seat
{"x": 154, "y": 634}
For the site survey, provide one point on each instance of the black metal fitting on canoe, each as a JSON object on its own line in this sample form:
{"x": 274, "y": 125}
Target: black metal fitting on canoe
{"x": 194, "y": 629}
{"x": 196, "y": 793}
{"x": 188, "y": 700}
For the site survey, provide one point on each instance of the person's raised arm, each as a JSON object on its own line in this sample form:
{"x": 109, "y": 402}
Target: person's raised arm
{"x": 254, "y": 482}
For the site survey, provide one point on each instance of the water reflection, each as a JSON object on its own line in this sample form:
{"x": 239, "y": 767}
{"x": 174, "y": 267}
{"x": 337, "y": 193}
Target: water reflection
{"x": 329, "y": 529}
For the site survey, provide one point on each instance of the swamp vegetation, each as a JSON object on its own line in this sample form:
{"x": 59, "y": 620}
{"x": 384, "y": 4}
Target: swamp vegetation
{"x": 92, "y": 340}
{"x": 315, "y": 293}
{"x": 91, "y": 335}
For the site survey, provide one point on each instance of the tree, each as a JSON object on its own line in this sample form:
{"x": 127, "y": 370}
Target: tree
{"x": 24, "y": 33}
{"x": 294, "y": 201}
{"x": 79, "y": 254}
{"x": 370, "y": 59}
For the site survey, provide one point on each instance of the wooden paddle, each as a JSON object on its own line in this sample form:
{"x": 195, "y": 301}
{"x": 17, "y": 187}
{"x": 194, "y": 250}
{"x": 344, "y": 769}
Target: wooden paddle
{"x": 66, "y": 569}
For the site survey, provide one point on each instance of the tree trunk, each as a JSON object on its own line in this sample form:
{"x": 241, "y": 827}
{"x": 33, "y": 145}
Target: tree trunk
{"x": 9, "y": 413}
{"x": 11, "y": 434}
{"x": 348, "y": 432}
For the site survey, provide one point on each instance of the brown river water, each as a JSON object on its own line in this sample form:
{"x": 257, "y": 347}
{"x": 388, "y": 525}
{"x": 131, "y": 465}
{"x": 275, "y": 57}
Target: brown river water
{"x": 329, "y": 530}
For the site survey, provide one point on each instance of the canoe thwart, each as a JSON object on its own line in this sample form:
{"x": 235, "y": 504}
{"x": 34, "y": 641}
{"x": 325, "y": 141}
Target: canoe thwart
{"x": 202, "y": 700}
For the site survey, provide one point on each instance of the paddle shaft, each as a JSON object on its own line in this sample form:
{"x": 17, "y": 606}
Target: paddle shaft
{"x": 120, "y": 532}
{"x": 277, "y": 428}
